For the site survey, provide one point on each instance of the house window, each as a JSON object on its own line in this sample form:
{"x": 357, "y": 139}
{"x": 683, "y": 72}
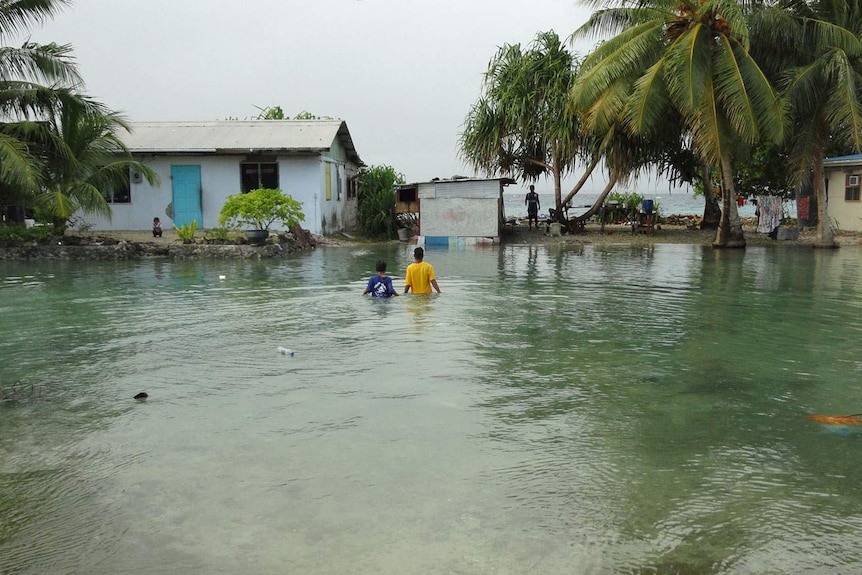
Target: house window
{"x": 351, "y": 188}
{"x": 406, "y": 195}
{"x": 254, "y": 175}
{"x": 851, "y": 188}
{"x": 118, "y": 192}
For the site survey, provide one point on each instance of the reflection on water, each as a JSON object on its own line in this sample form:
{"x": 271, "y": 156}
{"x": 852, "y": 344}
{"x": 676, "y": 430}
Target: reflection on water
{"x": 557, "y": 409}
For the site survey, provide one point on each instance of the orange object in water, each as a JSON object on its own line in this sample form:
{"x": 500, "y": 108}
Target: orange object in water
{"x": 838, "y": 419}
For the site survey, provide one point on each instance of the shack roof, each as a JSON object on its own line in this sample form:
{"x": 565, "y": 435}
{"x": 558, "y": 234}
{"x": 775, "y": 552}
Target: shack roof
{"x": 853, "y": 159}
{"x": 240, "y": 136}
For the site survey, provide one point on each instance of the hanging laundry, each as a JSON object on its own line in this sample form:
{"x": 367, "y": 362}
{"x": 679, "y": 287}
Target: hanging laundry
{"x": 770, "y": 212}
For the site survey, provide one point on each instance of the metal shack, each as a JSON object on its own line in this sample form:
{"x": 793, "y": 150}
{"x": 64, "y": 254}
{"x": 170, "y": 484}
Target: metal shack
{"x": 464, "y": 210}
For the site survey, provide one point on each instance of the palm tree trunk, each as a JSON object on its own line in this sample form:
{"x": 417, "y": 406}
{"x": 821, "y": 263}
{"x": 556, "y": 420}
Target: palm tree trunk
{"x": 612, "y": 181}
{"x": 729, "y": 233}
{"x": 711, "y": 211}
{"x": 558, "y": 191}
{"x": 583, "y": 180}
{"x": 824, "y": 237}
{"x": 558, "y": 181}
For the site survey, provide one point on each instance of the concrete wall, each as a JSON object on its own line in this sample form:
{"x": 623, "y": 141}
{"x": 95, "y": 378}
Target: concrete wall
{"x": 463, "y": 217}
{"x": 847, "y": 215}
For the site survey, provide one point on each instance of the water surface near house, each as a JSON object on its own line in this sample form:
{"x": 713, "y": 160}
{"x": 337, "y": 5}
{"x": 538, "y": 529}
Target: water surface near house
{"x": 558, "y": 409}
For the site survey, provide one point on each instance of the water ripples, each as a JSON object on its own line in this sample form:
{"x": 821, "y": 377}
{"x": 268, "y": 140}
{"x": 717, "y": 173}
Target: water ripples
{"x": 612, "y": 408}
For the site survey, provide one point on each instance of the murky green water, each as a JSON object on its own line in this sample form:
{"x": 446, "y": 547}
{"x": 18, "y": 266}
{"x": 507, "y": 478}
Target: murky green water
{"x": 556, "y": 410}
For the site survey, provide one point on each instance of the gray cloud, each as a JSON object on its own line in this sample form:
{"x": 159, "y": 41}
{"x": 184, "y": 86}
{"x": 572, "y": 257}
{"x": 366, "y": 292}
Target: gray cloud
{"x": 403, "y": 74}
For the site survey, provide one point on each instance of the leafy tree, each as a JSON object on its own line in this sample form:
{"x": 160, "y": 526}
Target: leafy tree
{"x": 375, "y": 200}
{"x": 763, "y": 172}
{"x": 688, "y": 59}
{"x": 270, "y": 113}
{"x": 306, "y": 115}
{"x": 522, "y": 125}
{"x": 260, "y": 209}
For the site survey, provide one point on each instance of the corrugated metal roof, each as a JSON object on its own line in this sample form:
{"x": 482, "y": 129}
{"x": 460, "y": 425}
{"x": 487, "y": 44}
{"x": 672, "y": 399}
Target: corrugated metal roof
{"x": 844, "y": 159}
{"x": 226, "y": 136}
{"x": 468, "y": 188}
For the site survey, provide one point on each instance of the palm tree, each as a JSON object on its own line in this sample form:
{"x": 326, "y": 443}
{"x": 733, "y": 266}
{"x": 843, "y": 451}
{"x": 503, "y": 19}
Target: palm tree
{"x": 522, "y": 125}
{"x": 686, "y": 58}
{"x": 815, "y": 50}
{"x": 59, "y": 150}
{"x": 84, "y": 158}
{"x": 24, "y": 74}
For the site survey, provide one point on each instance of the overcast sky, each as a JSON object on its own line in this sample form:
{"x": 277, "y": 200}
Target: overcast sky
{"x": 403, "y": 74}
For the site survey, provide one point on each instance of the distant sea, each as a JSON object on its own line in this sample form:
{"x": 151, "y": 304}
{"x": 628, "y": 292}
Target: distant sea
{"x": 681, "y": 203}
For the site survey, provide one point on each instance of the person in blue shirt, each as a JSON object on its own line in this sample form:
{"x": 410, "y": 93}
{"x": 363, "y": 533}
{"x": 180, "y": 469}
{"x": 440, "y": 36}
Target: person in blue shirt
{"x": 380, "y": 285}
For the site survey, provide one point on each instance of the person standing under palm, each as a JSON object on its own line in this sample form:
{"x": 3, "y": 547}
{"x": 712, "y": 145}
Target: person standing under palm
{"x": 531, "y": 200}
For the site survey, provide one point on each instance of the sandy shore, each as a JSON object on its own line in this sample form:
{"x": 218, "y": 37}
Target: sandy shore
{"x": 666, "y": 234}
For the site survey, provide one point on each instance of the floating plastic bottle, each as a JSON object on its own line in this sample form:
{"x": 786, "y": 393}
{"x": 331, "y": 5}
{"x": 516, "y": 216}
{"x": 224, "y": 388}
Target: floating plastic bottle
{"x": 285, "y": 351}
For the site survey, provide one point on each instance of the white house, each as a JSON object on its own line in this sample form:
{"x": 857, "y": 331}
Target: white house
{"x": 843, "y": 201}
{"x": 452, "y": 211}
{"x": 200, "y": 164}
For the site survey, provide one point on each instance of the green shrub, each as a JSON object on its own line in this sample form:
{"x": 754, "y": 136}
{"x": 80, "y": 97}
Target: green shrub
{"x": 631, "y": 201}
{"x": 260, "y": 208}
{"x": 19, "y": 233}
{"x": 375, "y": 200}
{"x": 186, "y": 232}
{"x": 221, "y": 234}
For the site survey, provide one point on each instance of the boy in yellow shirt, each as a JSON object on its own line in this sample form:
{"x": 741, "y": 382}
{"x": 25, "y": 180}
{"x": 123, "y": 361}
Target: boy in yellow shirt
{"x": 420, "y": 275}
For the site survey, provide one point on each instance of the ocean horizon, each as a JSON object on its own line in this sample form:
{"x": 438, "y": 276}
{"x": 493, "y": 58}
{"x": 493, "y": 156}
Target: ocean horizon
{"x": 675, "y": 203}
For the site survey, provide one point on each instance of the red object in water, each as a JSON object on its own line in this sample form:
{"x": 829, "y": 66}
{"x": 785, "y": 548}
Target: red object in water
{"x": 837, "y": 419}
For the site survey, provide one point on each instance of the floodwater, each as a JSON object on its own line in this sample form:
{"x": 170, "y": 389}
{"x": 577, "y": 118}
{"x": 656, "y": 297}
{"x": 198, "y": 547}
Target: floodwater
{"x": 558, "y": 409}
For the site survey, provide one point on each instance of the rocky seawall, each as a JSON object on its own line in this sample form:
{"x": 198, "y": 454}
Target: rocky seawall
{"x": 98, "y": 247}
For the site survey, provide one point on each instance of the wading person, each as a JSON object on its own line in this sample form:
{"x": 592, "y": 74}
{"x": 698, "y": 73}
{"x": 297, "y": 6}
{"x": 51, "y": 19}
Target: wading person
{"x": 531, "y": 200}
{"x": 419, "y": 277}
{"x": 380, "y": 285}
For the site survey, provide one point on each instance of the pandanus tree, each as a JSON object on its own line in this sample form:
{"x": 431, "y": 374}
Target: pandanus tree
{"x": 522, "y": 125}
{"x": 688, "y": 59}
{"x": 814, "y": 49}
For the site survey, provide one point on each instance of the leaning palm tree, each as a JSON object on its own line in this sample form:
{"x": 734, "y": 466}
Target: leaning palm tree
{"x": 688, "y": 58}
{"x": 815, "y": 48}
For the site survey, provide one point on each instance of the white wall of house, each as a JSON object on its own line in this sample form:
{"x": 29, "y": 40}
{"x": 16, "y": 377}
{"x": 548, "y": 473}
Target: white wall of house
{"x": 302, "y": 177}
{"x": 337, "y": 213}
{"x": 299, "y": 177}
{"x": 220, "y": 178}
{"x": 843, "y": 210}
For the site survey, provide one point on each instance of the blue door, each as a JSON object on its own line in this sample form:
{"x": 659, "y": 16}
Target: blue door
{"x": 186, "y": 188}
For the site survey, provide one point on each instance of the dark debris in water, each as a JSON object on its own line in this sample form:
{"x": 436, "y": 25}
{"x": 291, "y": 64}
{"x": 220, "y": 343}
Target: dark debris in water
{"x": 19, "y": 391}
